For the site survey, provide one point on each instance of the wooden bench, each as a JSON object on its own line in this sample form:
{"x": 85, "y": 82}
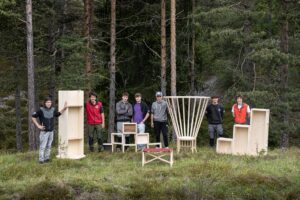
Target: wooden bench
{"x": 157, "y": 154}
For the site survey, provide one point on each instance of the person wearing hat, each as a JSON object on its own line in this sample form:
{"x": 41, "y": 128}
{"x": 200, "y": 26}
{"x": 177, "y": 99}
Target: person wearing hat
{"x": 214, "y": 113}
{"x": 159, "y": 118}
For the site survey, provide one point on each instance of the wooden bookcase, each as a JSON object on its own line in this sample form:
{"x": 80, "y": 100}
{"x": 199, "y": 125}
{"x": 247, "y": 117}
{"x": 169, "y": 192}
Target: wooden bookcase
{"x": 259, "y": 131}
{"x": 70, "y": 125}
{"x": 224, "y": 145}
{"x": 240, "y": 139}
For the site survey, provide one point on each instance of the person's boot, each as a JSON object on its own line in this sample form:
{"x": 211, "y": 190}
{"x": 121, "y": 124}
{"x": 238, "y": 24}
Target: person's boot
{"x": 100, "y": 145}
{"x": 211, "y": 142}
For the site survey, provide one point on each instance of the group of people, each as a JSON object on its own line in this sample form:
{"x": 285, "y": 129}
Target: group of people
{"x": 138, "y": 112}
{"x": 215, "y": 115}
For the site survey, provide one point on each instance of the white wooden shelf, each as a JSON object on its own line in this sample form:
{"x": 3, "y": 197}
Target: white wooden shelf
{"x": 70, "y": 125}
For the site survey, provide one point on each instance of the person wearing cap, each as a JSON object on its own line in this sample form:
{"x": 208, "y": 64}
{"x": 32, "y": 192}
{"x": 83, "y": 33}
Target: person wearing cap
{"x": 240, "y": 111}
{"x": 214, "y": 113}
{"x": 159, "y": 118}
{"x": 140, "y": 115}
{"x": 95, "y": 121}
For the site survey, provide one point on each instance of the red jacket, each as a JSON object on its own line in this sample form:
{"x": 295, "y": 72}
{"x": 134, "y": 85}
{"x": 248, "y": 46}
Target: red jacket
{"x": 93, "y": 113}
{"x": 240, "y": 115}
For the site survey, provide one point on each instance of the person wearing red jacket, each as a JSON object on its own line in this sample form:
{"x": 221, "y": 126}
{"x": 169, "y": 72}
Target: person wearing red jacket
{"x": 240, "y": 111}
{"x": 95, "y": 121}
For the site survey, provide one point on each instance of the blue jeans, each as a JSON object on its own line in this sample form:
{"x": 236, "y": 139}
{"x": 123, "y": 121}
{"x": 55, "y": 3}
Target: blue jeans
{"x": 141, "y": 129}
{"x": 213, "y": 128}
{"x": 46, "y": 138}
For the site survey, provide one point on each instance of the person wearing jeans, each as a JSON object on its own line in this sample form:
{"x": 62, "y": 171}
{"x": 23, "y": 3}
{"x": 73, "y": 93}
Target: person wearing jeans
{"x": 46, "y": 116}
{"x": 159, "y": 118}
{"x": 140, "y": 115}
{"x": 214, "y": 113}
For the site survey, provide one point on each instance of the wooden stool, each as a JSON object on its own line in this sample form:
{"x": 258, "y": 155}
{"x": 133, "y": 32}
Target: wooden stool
{"x": 157, "y": 154}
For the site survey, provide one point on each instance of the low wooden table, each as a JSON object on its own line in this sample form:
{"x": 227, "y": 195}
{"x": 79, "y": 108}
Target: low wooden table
{"x": 157, "y": 154}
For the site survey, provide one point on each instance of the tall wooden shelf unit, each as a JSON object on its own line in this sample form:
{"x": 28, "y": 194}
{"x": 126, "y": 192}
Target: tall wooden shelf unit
{"x": 70, "y": 125}
{"x": 248, "y": 139}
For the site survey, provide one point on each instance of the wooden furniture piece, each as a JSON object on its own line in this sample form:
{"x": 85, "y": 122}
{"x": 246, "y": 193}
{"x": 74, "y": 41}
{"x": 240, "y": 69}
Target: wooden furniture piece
{"x": 70, "y": 125}
{"x": 259, "y": 131}
{"x": 127, "y": 129}
{"x": 157, "y": 154}
{"x": 144, "y": 138}
{"x": 240, "y": 142}
{"x": 248, "y": 139}
{"x": 186, "y": 115}
{"x": 224, "y": 145}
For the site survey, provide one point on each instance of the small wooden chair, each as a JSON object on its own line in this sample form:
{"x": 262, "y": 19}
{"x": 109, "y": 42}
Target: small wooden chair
{"x": 157, "y": 154}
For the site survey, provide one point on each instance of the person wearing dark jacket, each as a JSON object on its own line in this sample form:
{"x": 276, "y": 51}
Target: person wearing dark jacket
{"x": 214, "y": 114}
{"x": 46, "y": 116}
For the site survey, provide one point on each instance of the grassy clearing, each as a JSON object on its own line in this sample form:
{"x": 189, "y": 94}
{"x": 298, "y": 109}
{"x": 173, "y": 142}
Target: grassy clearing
{"x": 203, "y": 175}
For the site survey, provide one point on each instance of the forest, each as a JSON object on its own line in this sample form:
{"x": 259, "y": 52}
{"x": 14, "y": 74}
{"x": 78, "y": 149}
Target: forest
{"x": 204, "y": 48}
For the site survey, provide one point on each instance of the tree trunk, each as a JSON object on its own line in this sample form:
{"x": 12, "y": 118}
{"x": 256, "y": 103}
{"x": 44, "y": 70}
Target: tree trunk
{"x": 18, "y": 107}
{"x": 163, "y": 48}
{"x": 193, "y": 74}
{"x": 284, "y": 77}
{"x": 112, "y": 67}
{"x": 247, "y": 65}
{"x": 87, "y": 29}
{"x": 30, "y": 75}
{"x": 52, "y": 55}
{"x": 173, "y": 47}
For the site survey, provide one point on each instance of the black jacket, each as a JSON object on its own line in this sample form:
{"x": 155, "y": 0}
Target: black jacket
{"x": 215, "y": 113}
{"x": 46, "y": 117}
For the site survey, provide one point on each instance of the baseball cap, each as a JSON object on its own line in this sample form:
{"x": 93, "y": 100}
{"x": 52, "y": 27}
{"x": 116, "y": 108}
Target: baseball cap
{"x": 158, "y": 94}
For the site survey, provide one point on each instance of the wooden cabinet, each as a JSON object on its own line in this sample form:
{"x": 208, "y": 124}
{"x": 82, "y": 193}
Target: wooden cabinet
{"x": 71, "y": 125}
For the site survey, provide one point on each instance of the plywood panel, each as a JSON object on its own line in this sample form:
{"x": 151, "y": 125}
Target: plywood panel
{"x": 224, "y": 145}
{"x": 258, "y": 137}
{"x": 129, "y": 127}
{"x": 75, "y": 122}
{"x": 142, "y": 138}
{"x": 240, "y": 139}
{"x": 75, "y": 148}
{"x": 71, "y": 125}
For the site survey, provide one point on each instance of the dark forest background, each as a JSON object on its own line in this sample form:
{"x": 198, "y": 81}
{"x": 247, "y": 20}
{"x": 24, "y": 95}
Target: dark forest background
{"x": 223, "y": 48}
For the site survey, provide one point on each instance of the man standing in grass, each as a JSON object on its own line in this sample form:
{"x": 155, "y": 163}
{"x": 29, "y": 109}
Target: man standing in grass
{"x": 215, "y": 114}
{"x": 124, "y": 113}
{"x": 46, "y": 116}
{"x": 140, "y": 115}
{"x": 95, "y": 121}
{"x": 240, "y": 111}
{"x": 159, "y": 118}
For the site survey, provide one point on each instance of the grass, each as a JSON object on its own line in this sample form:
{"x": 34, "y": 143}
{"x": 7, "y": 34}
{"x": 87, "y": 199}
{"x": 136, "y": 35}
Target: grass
{"x": 202, "y": 175}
